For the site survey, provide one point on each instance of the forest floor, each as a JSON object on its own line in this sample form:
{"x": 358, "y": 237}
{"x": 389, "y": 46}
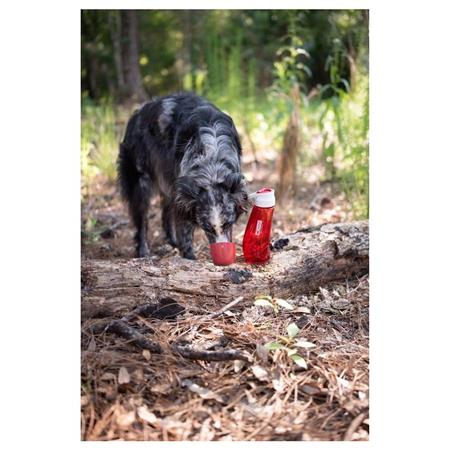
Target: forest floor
{"x": 132, "y": 394}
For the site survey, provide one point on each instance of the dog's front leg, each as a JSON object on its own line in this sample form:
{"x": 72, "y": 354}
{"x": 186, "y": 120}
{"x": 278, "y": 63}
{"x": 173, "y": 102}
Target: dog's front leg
{"x": 168, "y": 222}
{"x": 185, "y": 234}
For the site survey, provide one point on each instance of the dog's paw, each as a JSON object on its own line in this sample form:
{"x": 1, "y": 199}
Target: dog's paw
{"x": 189, "y": 255}
{"x": 143, "y": 252}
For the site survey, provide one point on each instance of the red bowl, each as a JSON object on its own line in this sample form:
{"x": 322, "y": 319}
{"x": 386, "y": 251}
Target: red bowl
{"x": 223, "y": 253}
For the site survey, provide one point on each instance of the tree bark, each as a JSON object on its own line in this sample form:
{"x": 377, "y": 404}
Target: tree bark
{"x": 130, "y": 55}
{"x": 312, "y": 257}
{"x": 114, "y": 27}
{"x": 291, "y": 146}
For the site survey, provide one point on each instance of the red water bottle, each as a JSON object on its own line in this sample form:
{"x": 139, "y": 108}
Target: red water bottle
{"x": 256, "y": 244}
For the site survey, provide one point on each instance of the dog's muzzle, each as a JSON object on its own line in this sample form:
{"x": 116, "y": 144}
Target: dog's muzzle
{"x": 226, "y": 236}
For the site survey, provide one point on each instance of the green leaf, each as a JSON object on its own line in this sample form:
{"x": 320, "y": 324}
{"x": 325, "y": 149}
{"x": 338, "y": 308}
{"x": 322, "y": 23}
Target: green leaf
{"x": 292, "y": 330}
{"x": 304, "y": 344}
{"x": 292, "y": 351}
{"x": 299, "y": 361}
{"x": 283, "y": 303}
{"x": 263, "y": 302}
{"x": 273, "y": 345}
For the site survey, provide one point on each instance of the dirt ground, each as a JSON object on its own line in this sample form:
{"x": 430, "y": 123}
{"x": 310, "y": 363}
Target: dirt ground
{"x": 133, "y": 394}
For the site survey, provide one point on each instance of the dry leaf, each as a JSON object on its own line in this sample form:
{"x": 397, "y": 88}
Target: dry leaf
{"x": 138, "y": 375}
{"x": 204, "y": 393}
{"x": 304, "y": 344}
{"x": 107, "y": 376}
{"x": 263, "y": 302}
{"x": 283, "y": 303}
{"x": 238, "y": 365}
{"x": 344, "y": 383}
{"x": 262, "y": 352}
{"x": 124, "y": 376}
{"x": 146, "y": 354}
{"x": 310, "y": 390}
{"x": 146, "y": 415}
{"x": 125, "y": 420}
{"x": 341, "y": 304}
{"x": 92, "y": 346}
{"x": 260, "y": 373}
{"x": 161, "y": 388}
{"x": 278, "y": 384}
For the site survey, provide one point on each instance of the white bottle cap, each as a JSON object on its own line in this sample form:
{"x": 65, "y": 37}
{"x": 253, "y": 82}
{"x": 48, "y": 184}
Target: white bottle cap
{"x": 265, "y": 198}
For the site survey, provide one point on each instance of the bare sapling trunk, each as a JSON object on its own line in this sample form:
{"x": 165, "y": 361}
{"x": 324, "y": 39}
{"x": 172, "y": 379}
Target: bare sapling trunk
{"x": 291, "y": 146}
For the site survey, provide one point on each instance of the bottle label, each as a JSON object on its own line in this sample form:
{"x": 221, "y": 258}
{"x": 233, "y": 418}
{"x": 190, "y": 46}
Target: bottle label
{"x": 258, "y": 227}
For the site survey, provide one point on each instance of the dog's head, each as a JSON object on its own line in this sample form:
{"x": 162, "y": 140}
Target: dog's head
{"x": 214, "y": 207}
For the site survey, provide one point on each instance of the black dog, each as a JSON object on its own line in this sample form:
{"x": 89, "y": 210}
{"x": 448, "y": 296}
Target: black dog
{"x": 188, "y": 150}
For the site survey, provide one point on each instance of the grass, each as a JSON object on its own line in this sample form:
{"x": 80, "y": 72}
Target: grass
{"x": 101, "y": 131}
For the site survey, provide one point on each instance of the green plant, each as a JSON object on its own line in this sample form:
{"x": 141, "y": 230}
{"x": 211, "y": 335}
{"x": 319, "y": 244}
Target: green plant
{"x": 290, "y": 72}
{"x": 290, "y": 345}
{"x": 99, "y": 141}
{"x": 344, "y": 126}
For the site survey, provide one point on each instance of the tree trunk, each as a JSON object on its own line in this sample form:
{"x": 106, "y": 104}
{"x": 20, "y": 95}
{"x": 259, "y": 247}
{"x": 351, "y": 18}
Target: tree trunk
{"x": 289, "y": 153}
{"x": 114, "y": 27}
{"x": 130, "y": 56}
{"x": 312, "y": 257}
{"x": 93, "y": 74}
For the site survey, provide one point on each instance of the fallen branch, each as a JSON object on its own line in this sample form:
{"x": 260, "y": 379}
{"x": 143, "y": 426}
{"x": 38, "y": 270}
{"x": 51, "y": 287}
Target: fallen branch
{"x": 124, "y": 330}
{"x": 209, "y": 355}
{"x": 120, "y": 328}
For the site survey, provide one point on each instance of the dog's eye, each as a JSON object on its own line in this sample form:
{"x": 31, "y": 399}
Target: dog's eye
{"x": 227, "y": 225}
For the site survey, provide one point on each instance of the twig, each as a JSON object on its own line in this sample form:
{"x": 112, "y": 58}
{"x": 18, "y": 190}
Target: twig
{"x": 356, "y": 422}
{"x": 124, "y": 330}
{"x": 120, "y": 328}
{"x": 225, "y": 308}
{"x": 209, "y": 355}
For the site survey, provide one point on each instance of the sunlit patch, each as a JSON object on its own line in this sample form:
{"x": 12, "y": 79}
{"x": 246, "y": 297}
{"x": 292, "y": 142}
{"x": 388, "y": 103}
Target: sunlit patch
{"x": 143, "y": 61}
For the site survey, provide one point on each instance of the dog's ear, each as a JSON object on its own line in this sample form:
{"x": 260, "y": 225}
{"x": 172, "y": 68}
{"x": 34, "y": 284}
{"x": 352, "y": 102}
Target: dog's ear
{"x": 236, "y": 185}
{"x": 186, "y": 193}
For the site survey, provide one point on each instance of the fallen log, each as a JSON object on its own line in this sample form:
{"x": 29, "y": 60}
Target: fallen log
{"x": 308, "y": 259}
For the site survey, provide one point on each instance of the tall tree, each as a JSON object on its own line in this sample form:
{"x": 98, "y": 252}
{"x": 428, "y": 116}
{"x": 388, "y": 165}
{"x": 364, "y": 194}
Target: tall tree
{"x": 114, "y": 27}
{"x": 130, "y": 55}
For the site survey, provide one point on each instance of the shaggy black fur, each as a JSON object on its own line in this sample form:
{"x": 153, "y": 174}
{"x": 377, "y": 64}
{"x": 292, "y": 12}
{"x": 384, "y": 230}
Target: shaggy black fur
{"x": 189, "y": 151}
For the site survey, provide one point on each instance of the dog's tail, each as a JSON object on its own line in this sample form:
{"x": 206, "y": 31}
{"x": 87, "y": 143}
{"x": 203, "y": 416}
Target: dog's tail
{"x": 126, "y": 168}
{"x": 127, "y": 172}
